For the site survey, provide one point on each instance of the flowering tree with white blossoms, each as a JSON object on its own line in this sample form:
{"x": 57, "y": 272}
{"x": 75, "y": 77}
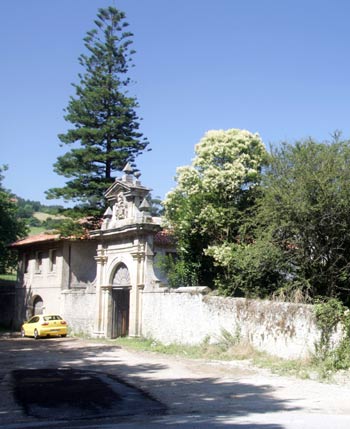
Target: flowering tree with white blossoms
{"x": 213, "y": 197}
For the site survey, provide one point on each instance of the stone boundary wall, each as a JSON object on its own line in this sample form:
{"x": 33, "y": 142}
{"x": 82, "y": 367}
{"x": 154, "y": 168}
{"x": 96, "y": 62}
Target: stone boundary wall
{"x": 78, "y": 309}
{"x": 190, "y": 316}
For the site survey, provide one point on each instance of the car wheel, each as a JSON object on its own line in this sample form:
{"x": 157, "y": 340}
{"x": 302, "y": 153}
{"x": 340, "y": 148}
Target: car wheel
{"x": 64, "y": 335}
{"x": 36, "y": 334}
{"x": 23, "y": 334}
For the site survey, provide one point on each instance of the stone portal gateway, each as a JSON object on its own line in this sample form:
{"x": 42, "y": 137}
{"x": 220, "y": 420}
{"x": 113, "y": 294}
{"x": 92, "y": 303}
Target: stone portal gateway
{"x": 124, "y": 258}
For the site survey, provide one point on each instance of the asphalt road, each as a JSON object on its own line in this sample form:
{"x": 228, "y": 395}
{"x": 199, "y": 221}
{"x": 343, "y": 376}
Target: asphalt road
{"x": 73, "y": 383}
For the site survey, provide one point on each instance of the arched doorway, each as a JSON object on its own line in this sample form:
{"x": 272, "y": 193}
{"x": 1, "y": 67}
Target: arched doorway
{"x": 38, "y": 305}
{"x": 120, "y": 302}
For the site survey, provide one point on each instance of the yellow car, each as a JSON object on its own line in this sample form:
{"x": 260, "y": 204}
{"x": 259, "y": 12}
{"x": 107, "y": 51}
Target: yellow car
{"x": 44, "y": 325}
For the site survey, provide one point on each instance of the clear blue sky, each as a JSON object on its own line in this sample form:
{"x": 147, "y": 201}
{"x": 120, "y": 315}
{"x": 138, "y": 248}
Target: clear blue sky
{"x": 279, "y": 68}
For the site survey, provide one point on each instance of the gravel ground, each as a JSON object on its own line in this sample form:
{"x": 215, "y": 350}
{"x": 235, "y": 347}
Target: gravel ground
{"x": 194, "y": 393}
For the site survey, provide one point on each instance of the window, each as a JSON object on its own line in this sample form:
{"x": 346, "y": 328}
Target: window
{"x": 48, "y": 318}
{"x": 53, "y": 254}
{"x": 25, "y": 263}
{"x": 38, "y": 262}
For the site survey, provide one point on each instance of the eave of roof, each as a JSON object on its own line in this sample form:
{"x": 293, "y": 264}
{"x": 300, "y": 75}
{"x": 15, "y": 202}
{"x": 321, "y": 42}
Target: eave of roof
{"x": 38, "y": 238}
{"x": 163, "y": 238}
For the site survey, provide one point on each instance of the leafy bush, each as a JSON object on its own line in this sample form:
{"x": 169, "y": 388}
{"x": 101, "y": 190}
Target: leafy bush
{"x": 178, "y": 272}
{"x": 329, "y": 315}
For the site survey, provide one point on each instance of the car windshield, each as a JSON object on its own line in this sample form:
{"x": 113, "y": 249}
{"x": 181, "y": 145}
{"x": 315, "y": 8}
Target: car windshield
{"x": 48, "y": 318}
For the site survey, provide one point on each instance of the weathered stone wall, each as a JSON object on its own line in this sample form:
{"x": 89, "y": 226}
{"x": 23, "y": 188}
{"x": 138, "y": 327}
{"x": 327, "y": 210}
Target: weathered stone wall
{"x": 82, "y": 263}
{"x": 78, "y": 309}
{"x": 190, "y": 315}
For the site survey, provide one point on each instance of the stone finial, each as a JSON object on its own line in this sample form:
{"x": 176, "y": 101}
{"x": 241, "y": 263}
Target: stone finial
{"x": 108, "y": 213}
{"x": 144, "y": 206}
{"x": 128, "y": 169}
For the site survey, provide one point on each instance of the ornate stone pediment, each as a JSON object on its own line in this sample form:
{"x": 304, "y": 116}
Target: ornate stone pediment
{"x": 127, "y": 201}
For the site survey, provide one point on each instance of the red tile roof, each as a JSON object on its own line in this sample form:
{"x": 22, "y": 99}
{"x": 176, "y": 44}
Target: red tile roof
{"x": 38, "y": 238}
{"x": 164, "y": 238}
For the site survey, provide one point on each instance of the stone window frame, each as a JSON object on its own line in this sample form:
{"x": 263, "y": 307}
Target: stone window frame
{"x": 52, "y": 260}
{"x": 39, "y": 254}
{"x": 26, "y": 259}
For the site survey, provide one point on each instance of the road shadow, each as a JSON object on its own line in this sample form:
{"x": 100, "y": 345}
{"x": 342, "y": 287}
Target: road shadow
{"x": 207, "y": 398}
{"x": 61, "y": 394}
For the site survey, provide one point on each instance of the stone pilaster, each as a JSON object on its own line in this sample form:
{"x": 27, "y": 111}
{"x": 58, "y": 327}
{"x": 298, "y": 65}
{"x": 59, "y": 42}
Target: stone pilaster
{"x": 101, "y": 260}
{"x": 136, "y": 292}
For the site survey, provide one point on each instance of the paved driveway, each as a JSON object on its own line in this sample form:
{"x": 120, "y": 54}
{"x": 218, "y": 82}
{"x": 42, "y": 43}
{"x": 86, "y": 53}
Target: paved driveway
{"x": 74, "y": 383}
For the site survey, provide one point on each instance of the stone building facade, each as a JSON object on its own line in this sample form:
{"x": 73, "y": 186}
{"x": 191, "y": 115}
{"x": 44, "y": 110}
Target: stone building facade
{"x": 97, "y": 283}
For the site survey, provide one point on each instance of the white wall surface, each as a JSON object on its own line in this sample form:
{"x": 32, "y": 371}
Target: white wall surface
{"x": 188, "y": 316}
{"x": 78, "y": 309}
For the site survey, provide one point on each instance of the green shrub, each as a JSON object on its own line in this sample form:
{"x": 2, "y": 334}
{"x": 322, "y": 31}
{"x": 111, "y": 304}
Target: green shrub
{"x": 329, "y": 315}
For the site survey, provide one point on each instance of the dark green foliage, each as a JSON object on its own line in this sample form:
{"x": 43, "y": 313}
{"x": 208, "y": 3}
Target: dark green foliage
{"x": 105, "y": 133}
{"x": 178, "y": 272}
{"x": 52, "y": 210}
{"x": 330, "y": 315}
{"x": 306, "y": 207}
{"x": 26, "y": 208}
{"x": 254, "y": 270}
{"x": 296, "y": 243}
{"x": 52, "y": 223}
{"x": 71, "y": 228}
{"x": 192, "y": 267}
{"x": 11, "y": 227}
{"x": 33, "y": 221}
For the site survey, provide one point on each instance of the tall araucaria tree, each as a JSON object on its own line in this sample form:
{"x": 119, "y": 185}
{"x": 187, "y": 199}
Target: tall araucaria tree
{"x": 106, "y": 126}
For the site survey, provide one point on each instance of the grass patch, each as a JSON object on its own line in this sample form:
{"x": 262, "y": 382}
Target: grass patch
{"x": 44, "y": 216}
{"x": 226, "y": 350}
{"x": 8, "y": 277}
{"x": 301, "y": 368}
{"x": 149, "y": 345}
{"x": 227, "y": 347}
{"x": 34, "y": 230}
{"x": 218, "y": 351}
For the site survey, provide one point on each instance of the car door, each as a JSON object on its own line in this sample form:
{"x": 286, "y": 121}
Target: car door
{"x": 31, "y": 325}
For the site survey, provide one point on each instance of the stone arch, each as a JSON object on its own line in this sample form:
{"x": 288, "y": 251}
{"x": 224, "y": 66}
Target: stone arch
{"x": 38, "y": 305}
{"x": 121, "y": 276}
